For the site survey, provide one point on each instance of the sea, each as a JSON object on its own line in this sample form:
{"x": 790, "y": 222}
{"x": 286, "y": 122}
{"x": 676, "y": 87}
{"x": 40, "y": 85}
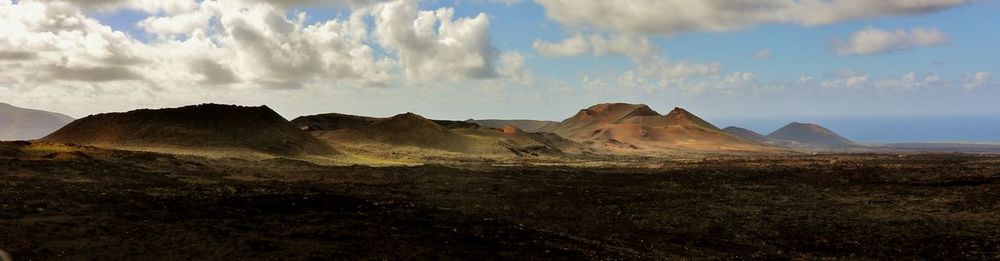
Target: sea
{"x": 886, "y": 129}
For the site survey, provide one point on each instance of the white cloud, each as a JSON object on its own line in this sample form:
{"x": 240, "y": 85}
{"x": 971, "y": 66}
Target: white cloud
{"x": 906, "y": 83}
{"x": 977, "y": 80}
{"x": 148, "y": 6}
{"x": 666, "y": 17}
{"x": 648, "y": 59}
{"x": 763, "y": 54}
{"x": 657, "y": 66}
{"x": 53, "y": 54}
{"x": 178, "y": 6}
{"x": 432, "y": 45}
{"x": 512, "y": 67}
{"x": 597, "y": 44}
{"x": 246, "y": 44}
{"x": 878, "y": 41}
{"x": 57, "y": 42}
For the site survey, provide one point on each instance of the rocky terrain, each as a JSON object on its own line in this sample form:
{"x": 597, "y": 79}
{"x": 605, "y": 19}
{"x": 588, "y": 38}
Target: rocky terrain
{"x": 72, "y": 202}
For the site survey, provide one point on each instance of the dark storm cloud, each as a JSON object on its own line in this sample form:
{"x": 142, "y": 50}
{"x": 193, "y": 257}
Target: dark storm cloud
{"x": 93, "y": 74}
{"x": 214, "y": 73}
{"x": 17, "y": 56}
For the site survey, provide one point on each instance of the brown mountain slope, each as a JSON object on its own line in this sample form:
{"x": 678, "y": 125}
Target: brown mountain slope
{"x": 619, "y": 126}
{"x": 526, "y": 125}
{"x": 597, "y": 117}
{"x": 27, "y": 124}
{"x": 203, "y": 127}
{"x": 811, "y": 135}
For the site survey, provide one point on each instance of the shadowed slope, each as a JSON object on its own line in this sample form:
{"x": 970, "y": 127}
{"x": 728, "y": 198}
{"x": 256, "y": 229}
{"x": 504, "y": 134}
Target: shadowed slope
{"x": 413, "y": 130}
{"x": 207, "y": 126}
{"x": 526, "y": 125}
{"x": 746, "y": 134}
{"x": 812, "y": 135}
{"x": 403, "y": 129}
{"x": 26, "y": 124}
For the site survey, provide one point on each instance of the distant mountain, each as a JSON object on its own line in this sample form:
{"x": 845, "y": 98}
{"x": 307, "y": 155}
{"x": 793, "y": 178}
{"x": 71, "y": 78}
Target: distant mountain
{"x": 619, "y": 126}
{"x": 746, "y": 134}
{"x": 526, "y": 125}
{"x": 27, "y": 124}
{"x": 414, "y": 130}
{"x": 811, "y": 135}
{"x": 201, "y": 127}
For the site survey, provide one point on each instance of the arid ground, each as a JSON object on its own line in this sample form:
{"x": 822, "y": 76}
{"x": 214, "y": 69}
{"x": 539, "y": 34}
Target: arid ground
{"x": 85, "y": 203}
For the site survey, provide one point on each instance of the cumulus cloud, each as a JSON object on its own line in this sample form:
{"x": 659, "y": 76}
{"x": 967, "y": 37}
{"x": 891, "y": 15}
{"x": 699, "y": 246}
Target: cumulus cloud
{"x": 150, "y": 6}
{"x": 247, "y": 44}
{"x": 873, "y": 40}
{"x": 648, "y": 59}
{"x": 179, "y": 6}
{"x": 666, "y": 17}
{"x": 512, "y": 67}
{"x": 54, "y": 53}
{"x": 434, "y": 45}
{"x": 57, "y": 42}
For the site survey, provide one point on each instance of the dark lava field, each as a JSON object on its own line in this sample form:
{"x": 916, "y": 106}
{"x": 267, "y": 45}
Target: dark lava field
{"x": 99, "y": 204}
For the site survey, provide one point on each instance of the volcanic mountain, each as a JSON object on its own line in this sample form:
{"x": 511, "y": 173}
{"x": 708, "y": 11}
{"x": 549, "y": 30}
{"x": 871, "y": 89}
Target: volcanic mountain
{"x": 636, "y": 126}
{"x": 416, "y": 131}
{"x": 811, "y": 135}
{"x": 26, "y": 124}
{"x": 526, "y": 125}
{"x": 209, "y": 127}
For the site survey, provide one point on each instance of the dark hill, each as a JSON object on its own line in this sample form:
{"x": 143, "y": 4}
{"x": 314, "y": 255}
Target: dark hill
{"x": 207, "y": 126}
{"x": 526, "y": 125}
{"x": 403, "y": 129}
{"x": 811, "y": 135}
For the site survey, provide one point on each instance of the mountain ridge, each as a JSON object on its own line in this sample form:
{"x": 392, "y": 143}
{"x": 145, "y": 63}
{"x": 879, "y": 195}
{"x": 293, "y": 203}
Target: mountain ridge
{"x": 18, "y": 123}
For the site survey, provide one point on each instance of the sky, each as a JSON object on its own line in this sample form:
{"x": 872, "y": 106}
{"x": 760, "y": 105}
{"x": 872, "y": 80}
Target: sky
{"x": 540, "y": 59}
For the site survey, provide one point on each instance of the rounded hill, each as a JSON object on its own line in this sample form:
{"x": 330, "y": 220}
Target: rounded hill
{"x": 811, "y": 134}
{"x": 206, "y": 126}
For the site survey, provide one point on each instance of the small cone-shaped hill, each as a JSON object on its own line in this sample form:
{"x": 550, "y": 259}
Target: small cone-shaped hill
{"x": 811, "y": 134}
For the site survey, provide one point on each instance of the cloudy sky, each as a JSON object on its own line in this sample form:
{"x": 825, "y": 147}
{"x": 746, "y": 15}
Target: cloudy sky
{"x": 541, "y": 59}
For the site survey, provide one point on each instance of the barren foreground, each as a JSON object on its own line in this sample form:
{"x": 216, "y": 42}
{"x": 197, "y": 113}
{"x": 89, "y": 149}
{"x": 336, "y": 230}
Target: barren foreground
{"x": 128, "y": 205}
